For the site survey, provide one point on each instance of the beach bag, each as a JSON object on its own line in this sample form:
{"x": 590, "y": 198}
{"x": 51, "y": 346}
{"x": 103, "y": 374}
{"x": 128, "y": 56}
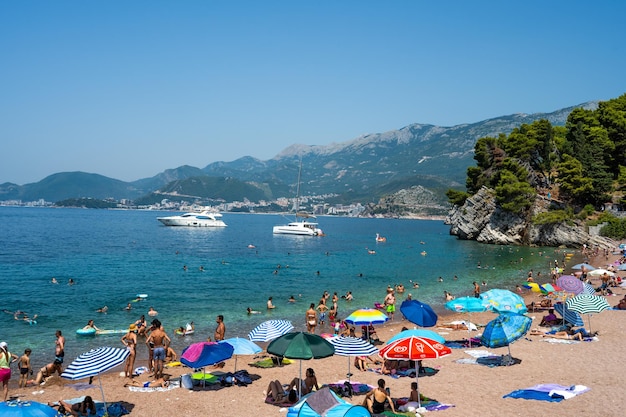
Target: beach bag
{"x": 186, "y": 381}
{"x": 227, "y": 380}
{"x": 347, "y": 389}
{"x": 242, "y": 378}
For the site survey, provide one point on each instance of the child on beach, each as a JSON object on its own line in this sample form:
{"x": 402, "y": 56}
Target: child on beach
{"x": 23, "y": 364}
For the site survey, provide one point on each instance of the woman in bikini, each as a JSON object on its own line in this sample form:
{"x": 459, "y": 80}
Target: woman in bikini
{"x": 375, "y": 399}
{"x": 311, "y": 319}
{"x": 130, "y": 341}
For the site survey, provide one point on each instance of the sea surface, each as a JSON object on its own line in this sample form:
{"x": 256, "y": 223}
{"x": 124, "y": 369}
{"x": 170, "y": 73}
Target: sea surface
{"x": 114, "y": 255}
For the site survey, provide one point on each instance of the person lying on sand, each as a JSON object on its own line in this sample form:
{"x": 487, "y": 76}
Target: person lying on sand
{"x": 157, "y": 383}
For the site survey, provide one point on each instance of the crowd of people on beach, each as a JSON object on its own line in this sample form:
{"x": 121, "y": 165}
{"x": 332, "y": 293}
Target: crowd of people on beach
{"x": 318, "y": 317}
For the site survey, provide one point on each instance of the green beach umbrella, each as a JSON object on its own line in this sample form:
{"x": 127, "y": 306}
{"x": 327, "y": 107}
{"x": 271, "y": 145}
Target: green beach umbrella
{"x": 301, "y": 345}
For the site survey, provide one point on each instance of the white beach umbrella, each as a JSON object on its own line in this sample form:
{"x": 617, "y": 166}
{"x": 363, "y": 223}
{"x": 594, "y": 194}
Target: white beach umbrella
{"x": 599, "y": 272}
{"x": 95, "y": 362}
{"x": 270, "y": 330}
{"x": 587, "y": 304}
{"x": 352, "y": 346}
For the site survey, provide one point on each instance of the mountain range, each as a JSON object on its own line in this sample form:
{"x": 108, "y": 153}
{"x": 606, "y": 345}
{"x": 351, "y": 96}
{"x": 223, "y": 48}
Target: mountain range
{"x": 364, "y": 169}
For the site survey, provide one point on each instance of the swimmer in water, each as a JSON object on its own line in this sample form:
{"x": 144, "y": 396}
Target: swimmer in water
{"x": 251, "y": 311}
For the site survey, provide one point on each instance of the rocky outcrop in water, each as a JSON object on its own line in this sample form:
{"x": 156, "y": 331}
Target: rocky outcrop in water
{"x": 480, "y": 219}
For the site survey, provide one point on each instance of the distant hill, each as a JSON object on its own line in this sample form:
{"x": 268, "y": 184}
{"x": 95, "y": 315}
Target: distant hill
{"x": 364, "y": 169}
{"x": 67, "y": 185}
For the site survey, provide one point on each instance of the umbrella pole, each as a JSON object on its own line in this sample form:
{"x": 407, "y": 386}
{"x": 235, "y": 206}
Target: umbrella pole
{"x": 510, "y": 358}
{"x": 349, "y": 369}
{"x": 236, "y": 363}
{"x": 300, "y": 382}
{"x": 417, "y": 381}
{"x": 102, "y": 391}
{"x": 589, "y": 320}
{"x": 469, "y": 329}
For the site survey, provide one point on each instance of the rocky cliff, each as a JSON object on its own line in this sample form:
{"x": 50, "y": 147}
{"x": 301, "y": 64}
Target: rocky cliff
{"x": 481, "y": 220}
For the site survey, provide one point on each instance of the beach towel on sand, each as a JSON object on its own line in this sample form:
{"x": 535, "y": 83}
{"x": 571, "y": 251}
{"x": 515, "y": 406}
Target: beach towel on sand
{"x": 548, "y": 392}
{"x": 171, "y": 386}
{"x": 269, "y": 363}
{"x": 113, "y": 409}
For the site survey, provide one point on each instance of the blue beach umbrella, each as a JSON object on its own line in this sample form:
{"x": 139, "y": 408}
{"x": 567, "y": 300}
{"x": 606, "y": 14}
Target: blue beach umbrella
{"x": 468, "y": 305}
{"x": 505, "y": 329}
{"x": 428, "y": 334}
{"x": 504, "y": 301}
{"x": 242, "y": 346}
{"x": 18, "y": 408}
{"x": 418, "y": 313}
{"x": 568, "y": 315}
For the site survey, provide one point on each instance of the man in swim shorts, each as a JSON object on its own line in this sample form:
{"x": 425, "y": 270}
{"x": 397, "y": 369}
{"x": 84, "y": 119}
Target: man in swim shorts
{"x": 390, "y": 303}
{"x": 59, "y": 351}
{"x": 160, "y": 340}
{"x": 220, "y": 330}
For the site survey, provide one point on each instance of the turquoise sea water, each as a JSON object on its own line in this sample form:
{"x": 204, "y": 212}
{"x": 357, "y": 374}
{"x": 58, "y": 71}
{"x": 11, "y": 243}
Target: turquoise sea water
{"x": 115, "y": 255}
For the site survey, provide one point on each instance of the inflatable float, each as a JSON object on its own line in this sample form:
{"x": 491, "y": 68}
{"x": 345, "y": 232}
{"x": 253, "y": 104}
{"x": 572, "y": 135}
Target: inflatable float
{"x": 183, "y": 332}
{"x": 121, "y": 331}
{"x": 86, "y": 332}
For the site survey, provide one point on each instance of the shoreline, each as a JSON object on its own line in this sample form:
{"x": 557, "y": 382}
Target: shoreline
{"x": 472, "y": 389}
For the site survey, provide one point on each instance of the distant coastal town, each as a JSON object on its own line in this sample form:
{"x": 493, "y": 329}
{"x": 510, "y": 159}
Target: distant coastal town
{"x": 311, "y": 204}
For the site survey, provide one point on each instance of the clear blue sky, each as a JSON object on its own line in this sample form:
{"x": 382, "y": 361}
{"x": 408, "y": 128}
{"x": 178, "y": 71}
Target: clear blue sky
{"x": 128, "y": 89}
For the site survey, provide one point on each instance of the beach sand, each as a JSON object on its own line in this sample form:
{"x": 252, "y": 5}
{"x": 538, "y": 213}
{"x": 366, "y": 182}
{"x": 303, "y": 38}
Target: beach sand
{"x": 472, "y": 389}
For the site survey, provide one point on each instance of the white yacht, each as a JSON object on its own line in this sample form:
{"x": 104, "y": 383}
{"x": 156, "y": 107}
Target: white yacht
{"x": 303, "y": 228}
{"x": 202, "y": 219}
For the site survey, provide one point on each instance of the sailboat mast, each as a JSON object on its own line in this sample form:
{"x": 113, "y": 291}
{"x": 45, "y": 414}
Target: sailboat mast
{"x": 296, "y": 203}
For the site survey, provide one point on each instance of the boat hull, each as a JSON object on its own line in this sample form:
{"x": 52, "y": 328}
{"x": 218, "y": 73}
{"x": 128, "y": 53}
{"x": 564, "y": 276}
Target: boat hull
{"x": 194, "y": 220}
{"x": 299, "y": 229}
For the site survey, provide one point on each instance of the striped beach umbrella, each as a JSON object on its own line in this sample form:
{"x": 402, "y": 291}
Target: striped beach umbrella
{"x": 352, "y": 346}
{"x": 366, "y": 316}
{"x": 587, "y": 304}
{"x": 568, "y": 315}
{"x": 95, "y": 362}
{"x": 270, "y": 330}
{"x": 588, "y": 289}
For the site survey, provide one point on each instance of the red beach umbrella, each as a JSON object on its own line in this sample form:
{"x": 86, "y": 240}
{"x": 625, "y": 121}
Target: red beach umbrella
{"x": 414, "y": 348}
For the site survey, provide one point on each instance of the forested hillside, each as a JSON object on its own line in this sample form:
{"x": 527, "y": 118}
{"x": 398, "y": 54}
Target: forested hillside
{"x": 579, "y": 168}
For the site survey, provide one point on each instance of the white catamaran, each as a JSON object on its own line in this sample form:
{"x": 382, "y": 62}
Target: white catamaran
{"x": 299, "y": 227}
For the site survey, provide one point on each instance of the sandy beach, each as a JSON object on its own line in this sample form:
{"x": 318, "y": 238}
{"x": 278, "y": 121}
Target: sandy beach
{"x": 473, "y": 389}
